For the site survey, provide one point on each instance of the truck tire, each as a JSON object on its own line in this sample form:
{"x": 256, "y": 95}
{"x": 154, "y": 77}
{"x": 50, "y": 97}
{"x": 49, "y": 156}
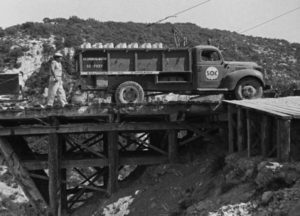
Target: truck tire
{"x": 129, "y": 92}
{"x": 248, "y": 88}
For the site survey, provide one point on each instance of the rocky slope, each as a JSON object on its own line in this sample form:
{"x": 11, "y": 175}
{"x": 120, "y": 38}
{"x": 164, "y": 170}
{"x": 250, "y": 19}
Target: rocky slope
{"x": 208, "y": 185}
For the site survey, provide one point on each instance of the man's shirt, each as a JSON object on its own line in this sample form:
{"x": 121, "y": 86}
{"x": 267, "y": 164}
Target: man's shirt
{"x": 56, "y": 68}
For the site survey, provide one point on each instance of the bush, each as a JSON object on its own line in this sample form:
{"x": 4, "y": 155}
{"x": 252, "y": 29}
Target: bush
{"x": 48, "y": 49}
{"x": 16, "y": 52}
{"x": 73, "y": 41}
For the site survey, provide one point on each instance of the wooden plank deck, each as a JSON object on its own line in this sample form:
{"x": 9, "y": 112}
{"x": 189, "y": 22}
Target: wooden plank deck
{"x": 103, "y": 110}
{"x": 285, "y": 107}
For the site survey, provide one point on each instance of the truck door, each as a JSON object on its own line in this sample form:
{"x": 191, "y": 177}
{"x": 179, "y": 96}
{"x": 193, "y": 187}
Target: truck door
{"x": 210, "y": 68}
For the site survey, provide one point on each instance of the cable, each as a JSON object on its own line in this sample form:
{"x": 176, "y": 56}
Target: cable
{"x": 179, "y": 12}
{"x": 270, "y": 20}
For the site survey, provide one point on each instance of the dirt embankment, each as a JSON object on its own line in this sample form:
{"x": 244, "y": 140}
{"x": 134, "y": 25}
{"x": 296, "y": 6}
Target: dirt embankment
{"x": 208, "y": 183}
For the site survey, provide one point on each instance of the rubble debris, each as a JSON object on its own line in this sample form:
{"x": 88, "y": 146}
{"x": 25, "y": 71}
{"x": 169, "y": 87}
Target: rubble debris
{"x": 119, "y": 208}
{"x": 243, "y": 209}
{"x": 266, "y": 197}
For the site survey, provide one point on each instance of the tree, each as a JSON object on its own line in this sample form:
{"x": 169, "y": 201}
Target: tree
{"x": 2, "y": 32}
{"x": 73, "y": 41}
{"x": 46, "y": 20}
{"x": 48, "y": 49}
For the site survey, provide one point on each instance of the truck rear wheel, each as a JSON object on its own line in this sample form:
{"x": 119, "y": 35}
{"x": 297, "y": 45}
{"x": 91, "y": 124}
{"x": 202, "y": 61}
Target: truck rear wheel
{"x": 248, "y": 88}
{"x": 129, "y": 92}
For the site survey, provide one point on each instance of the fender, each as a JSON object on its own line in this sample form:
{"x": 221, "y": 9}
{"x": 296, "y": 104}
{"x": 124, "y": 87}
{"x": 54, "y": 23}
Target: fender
{"x": 231, "y": 79}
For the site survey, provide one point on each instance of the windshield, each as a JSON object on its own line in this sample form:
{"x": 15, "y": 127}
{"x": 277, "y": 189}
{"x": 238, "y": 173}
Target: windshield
{"x": 210, "y": 55}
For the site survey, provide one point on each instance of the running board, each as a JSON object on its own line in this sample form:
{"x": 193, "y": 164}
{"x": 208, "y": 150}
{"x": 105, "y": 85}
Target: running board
{"x": 212, "y": 89}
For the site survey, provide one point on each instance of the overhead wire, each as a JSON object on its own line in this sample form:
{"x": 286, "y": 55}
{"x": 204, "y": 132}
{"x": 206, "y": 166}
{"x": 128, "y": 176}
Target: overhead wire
{"x": 269, "y": 20}
{"x": 179, "y": 12}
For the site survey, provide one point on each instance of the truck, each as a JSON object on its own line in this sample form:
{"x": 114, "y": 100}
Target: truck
{"x": 9, "y": 86}
{"x": 129, "y": 74}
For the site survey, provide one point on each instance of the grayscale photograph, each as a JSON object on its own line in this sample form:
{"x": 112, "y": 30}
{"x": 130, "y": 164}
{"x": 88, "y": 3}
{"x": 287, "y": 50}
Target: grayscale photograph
{"x": 150, "y": 108}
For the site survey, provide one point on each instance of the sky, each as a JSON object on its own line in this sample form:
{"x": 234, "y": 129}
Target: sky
{"x": 232, "y": 15}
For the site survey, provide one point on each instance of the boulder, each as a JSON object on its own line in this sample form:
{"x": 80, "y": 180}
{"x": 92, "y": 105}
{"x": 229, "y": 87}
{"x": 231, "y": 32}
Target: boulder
{"x": 295, "y": 211}
{"x": 266, "y": 197}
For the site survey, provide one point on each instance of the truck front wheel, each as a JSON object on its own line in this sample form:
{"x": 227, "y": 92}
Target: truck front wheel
{"x": 248, "y": 88}
{"x": 129, "y": 92}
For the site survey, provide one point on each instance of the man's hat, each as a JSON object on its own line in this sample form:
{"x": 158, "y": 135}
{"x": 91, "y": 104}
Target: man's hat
{"x": 57, "y": 54}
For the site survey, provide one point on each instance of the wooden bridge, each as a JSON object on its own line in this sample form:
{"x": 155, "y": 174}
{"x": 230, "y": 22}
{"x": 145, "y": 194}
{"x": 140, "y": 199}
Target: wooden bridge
{"x": 44, "y": 148}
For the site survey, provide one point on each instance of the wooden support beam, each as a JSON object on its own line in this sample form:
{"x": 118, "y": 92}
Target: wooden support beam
{"x": 22, "y": 150}
{"x": 283, "y": 139}
{"x": 133, "y": 110}
{"x": 113, "y": 161}
{"x": 126, "y": 160}
{"x": 22, "y": 176}
{"x": 100, "y": 127}
{"x": 230, "y": 128}
{"x": 64, "y": 198}
{"x": 249, "y": 132}
{"x": 173, "y": 146}
{"x": 54, "y": 164}
{"x": 85, "y": 146}
{"x": 191, "y": 139}
{"x": 240, "y": 129}
{"x": 277, "y": 140}
{"x": 143, "y": 143}
{"x": 106, "y": 171}
{"x": 264, "y": 139}
{"x": 39, "y": 164}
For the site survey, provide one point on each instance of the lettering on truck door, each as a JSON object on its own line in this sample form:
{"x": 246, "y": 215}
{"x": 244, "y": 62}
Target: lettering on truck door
{"x": 210, "y": 69}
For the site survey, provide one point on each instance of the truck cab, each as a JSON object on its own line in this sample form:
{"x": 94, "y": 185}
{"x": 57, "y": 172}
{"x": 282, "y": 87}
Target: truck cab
{"x": 212, "y": 72}
{"x": 208, "y": 67}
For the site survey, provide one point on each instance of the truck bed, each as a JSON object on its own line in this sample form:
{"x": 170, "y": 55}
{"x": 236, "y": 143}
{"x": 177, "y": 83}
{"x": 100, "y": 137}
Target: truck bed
{"x": 95, "y": 61}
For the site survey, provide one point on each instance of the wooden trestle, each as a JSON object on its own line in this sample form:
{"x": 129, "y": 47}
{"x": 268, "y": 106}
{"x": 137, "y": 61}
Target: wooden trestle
{"x": 267, "y": 127}
{"x": 44, "y": 148}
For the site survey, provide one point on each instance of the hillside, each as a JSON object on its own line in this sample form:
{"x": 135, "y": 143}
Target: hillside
{"x": 280, "y": 58}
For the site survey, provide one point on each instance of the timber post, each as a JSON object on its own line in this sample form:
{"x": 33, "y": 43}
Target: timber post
{"x": 240, "y": 129}
{"x": 54, "y": 165}
{"x": 264, "y": 139}
{"x": 64, "y": 197}
{"x": 230, "y": 129}
{"x": 249, "y": 132}
{"x": 113, "y": 160}
{"x": 173, "y": 146}
{"x": 283, "y": 140}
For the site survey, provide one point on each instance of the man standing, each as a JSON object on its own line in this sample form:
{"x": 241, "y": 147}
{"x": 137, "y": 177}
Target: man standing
{"x": 55, "y": 82}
